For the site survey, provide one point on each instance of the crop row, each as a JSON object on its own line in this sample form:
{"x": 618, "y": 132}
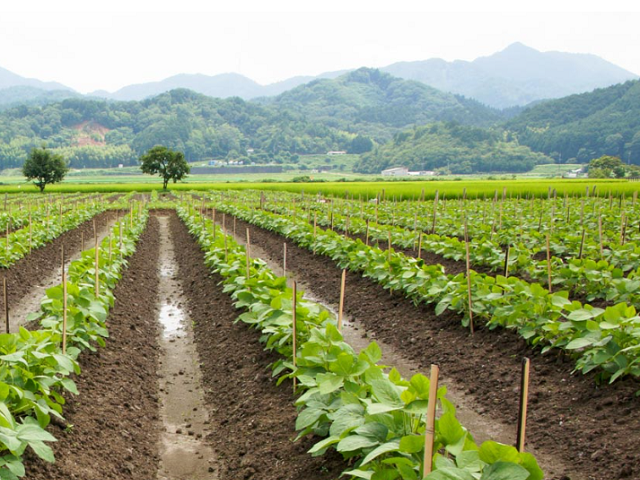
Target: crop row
{"x": 35, "y": 367}
{"x": 374, "y": 419}
{"x": 604, "y": 339}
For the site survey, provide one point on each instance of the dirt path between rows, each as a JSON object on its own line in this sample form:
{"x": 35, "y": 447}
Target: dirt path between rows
{"x": 184, "y": 453}
{"x": 113, "y": 425}
{"x": 252, "y": 420}
{"x": 590, "y": 429}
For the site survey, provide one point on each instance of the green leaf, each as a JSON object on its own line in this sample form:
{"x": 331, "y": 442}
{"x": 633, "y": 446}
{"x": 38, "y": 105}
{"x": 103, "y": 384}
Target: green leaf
{"x": 324, "y": 444}
{"x": 579, "y": 343}
{"x": 43, "y": 451}
{"x": 504, "y": 471}
{"x": 412, "y": 443}
{"x": 392, "y": 446}
{"x": 329, "y": 382}
{"x": 491, "y": 452}
{"x": 450, "y": 474}
{"x": 352, "y": 443}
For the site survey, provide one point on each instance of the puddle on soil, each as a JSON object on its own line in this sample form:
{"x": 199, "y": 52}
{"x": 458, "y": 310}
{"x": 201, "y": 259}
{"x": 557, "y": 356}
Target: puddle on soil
{"x": 183, "y": 450}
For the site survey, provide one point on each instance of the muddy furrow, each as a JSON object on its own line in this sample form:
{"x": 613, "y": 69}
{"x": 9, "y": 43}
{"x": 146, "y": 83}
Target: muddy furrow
{"x": 113, "y": 425}
{"x": 252, "y": 420}
{"x": 590, "y": 428}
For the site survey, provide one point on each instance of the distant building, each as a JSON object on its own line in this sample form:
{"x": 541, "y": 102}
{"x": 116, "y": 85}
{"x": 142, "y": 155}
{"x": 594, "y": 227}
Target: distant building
{"x": 423, "y": 173}
{"x": 395, "y": 172}
{"x": 337, "y": 152}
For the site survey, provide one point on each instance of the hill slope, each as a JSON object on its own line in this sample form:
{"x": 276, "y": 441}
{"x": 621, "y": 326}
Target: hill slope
{"x": 377, "y": 104}
{"x": 453, "y": 148}
{"x": 581, "y": 127}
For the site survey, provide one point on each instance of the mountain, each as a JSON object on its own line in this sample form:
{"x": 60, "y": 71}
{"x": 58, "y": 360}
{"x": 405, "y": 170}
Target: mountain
{"x": 370, "y": 102}
{"x": 586, "y": 126}
{"x": 224, "y": 85}
{"x": 9, "y": 79}
{"x": 451, "y": 148}
{"x": 24, "y": 95}
{"x": 517, "y": 75}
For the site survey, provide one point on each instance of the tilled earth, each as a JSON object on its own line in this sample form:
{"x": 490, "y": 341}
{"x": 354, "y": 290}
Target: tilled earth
{"x": 593, "y": 428}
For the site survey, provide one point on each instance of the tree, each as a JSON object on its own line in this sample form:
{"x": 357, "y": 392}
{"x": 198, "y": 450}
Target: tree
{"x": 606, "y": 167}
{"x": 44, "y": 167}
{"x": 168, "y": 164}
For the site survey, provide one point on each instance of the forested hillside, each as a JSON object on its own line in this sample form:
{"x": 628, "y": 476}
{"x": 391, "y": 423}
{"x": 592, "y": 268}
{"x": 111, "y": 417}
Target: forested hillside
{"x": 452, "y": 148}
{"x": 579, "y": 128}
{"x": 376, "y": 104}
{"x": 105, "y": 134}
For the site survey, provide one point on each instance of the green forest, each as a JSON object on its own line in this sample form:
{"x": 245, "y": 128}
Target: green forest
{"x": 389, "y": 121}
{"x": 452, "y": 148}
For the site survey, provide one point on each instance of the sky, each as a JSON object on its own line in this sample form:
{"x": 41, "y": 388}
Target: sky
{"x": 90, "y": 45}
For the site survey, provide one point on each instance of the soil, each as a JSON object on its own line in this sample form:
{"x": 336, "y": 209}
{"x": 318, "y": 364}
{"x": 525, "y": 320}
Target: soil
{"x": 114, "y": 423}
{"x": 592, "y": 428}
{"x": 252, "y": 419}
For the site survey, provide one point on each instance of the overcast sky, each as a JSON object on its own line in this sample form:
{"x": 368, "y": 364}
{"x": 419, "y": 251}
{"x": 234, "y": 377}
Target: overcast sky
{"x": 91, "y": 45}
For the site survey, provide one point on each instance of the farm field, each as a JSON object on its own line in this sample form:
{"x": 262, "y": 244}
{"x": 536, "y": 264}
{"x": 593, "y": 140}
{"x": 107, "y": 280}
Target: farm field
{"x": 174, "y": 347}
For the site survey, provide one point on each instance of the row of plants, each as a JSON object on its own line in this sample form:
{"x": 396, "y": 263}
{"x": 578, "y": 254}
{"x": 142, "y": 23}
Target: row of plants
{"x": 35, "y": 370}
{"x": 604, "y": 339}
{"x": 614, "y": 278}
{"x": 376, "y": 420}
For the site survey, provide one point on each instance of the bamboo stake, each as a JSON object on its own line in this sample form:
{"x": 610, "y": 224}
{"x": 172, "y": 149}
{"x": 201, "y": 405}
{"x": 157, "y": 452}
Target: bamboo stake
{"x": 341, "y": 306}
{"x": 213, "y": 223}
{"x": 389, "y": 249}
{"x": 97, "y": 266}
{"x": 64, "y": 304}
{"x": 6, "y": 304}
{"x": 549, "y": 264}
{"x": 466, "y": 244}
{"x": 600, "y": 234}
{"x": 366, "y": 237}
{"x": 506, "y": 261}
{"x": 224, "y": 233}
{"x": 294, "y": 333}
{"x": 420, "y": 246}
{"x": 247, "y": 252}
{"x": 435, "y": 213}
{"x": 429, "y": 433}
{"x": 524, "y": 399}
{"x": 284, "y": 260}
{"x": 30, "y": 233}
{"x": 581, "y": 244}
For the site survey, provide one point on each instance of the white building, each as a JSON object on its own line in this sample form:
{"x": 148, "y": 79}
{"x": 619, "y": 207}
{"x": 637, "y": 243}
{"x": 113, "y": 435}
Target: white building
{"x": 395, "y": 172}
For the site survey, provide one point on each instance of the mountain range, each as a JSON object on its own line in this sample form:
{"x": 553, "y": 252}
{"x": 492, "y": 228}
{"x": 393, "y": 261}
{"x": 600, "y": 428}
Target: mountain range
{"x": 515, "y": 76}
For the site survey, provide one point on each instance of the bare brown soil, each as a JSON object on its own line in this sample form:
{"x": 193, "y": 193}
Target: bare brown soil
{"x": 595, "y": 428}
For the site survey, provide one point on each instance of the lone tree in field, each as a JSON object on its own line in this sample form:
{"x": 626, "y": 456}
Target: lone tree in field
{"x": 166, "y": 163}
{"x": 44, "y": 167}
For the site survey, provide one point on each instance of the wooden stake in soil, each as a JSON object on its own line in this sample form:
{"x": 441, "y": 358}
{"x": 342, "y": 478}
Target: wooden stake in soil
{"x": 524, "y": 399}
{"x": 64, "y": 304}
{"x": 30, "y": 233}
{"x": 294, "y": 329}
{"x": 466, "y": 244}
{"x": 284, "y": 260}
{"x": 429, "y": 433}
{"x": 548, "y": 263}
{"x": 582, "y": 243}
{"x": 248, "y": 252}
{"x": 420, "y": 246}
{"x": 5, "y": 297}
{"x": 97, "y": 267}
{"x": 341, "y": 306}
{"x": 506, "y": 261}
{"x": 366, "y": 236}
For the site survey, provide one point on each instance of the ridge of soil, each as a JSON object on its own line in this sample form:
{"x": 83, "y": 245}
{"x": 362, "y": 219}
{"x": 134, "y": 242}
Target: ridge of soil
{"x": 114, "y": 423}
{"x": 41, "y": 262}
{"x": 593, "y": 427}
{"x": 252, "y": 419}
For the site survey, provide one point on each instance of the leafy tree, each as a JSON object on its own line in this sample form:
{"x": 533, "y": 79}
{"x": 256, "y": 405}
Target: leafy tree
{"x": 44, "y": 167}
{"x": 606, "y": 167}
{"x": 168, "y": 164}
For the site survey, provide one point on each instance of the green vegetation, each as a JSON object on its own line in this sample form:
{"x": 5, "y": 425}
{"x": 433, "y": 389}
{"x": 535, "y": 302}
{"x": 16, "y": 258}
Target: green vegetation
{"x": 166, "y": 163}
{"x": 44, "y": 168}
{"x": 610, "y": 167}
{"x": 579, "y": 128}
{"x": 452, "y": 148}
